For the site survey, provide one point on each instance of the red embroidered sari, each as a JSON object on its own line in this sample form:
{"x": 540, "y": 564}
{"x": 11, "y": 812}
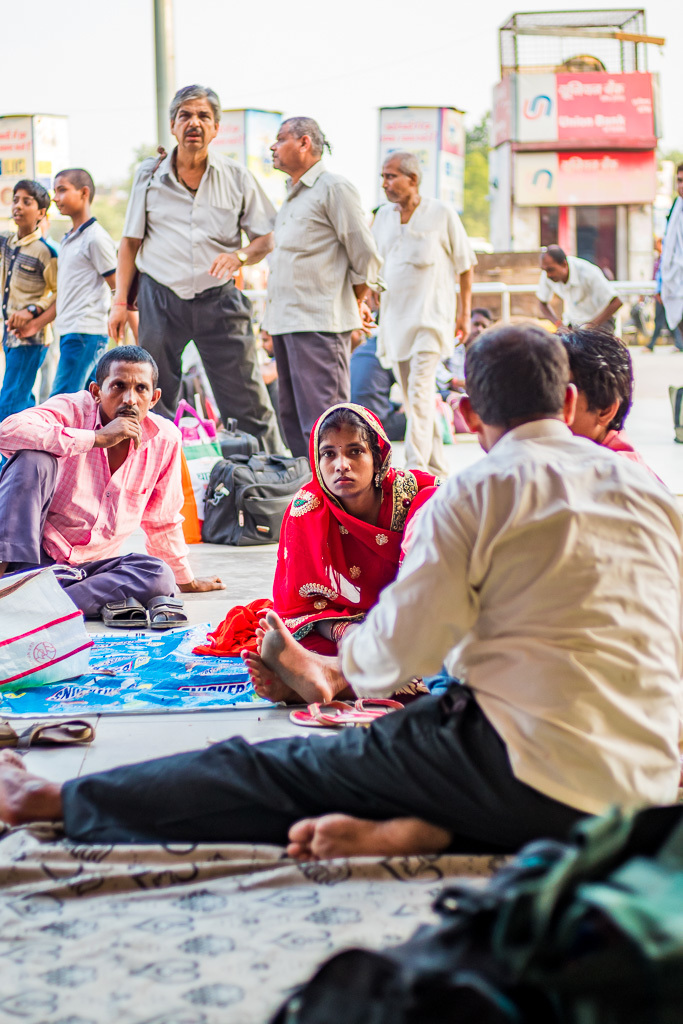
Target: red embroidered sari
{"x": 332, "y": 566}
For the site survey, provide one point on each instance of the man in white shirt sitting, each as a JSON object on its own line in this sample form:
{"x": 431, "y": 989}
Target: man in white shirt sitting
{"x": 546, "y": 577}
{"x": 588, "y": 298}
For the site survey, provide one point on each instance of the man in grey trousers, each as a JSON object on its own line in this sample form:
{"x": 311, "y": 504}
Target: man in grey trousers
{"x": 325, "y": 258}
{"x": 184, "y": 226}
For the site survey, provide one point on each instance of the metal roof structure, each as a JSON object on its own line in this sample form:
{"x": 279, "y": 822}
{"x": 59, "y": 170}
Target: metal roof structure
{"x": 606, "y": 40}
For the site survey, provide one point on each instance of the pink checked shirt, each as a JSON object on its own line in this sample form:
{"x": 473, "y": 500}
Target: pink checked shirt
{"x": 93, "y": 512}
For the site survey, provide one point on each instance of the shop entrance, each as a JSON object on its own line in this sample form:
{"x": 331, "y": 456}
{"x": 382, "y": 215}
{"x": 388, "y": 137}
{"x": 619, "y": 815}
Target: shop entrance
{"x": 596, "y": 237}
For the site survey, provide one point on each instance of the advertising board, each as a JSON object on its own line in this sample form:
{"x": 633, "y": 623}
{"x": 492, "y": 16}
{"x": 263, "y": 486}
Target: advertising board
{"x": 592, "y": 178}
{"x": 591, "y": 107}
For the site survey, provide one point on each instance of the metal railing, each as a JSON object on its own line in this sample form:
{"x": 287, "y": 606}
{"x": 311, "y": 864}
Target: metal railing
{"x": 623, "y": 288}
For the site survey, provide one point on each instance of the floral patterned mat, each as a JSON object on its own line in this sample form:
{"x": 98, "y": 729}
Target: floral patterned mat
{"x": 190, "y": 934}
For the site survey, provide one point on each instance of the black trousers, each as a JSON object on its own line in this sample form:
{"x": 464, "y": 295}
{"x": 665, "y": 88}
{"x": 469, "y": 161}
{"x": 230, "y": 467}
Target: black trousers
{"x": 219, "y": 322}
{"x": 313, "y": 374}
{"x": 439, "y": 759}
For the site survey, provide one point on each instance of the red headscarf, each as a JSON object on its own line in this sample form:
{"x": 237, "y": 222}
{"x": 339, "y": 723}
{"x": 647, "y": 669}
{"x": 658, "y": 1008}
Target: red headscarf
{"x": 332, "y": 566}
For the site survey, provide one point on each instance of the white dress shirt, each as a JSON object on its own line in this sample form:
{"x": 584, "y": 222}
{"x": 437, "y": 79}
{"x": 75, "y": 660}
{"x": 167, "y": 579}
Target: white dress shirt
{"x": 323, "y": 247}
{"x": 422, "y": 260}
{"x": 585, "y": 293}
{"x": 547, "y": 577}
{"x": 182, "y": 234}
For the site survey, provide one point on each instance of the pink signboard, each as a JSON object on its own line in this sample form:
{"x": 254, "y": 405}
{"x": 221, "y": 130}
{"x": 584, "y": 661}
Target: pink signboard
{"x": 599, "y": 179}
{"x": 501, "y": 123}
{"x": 596, "y": 106}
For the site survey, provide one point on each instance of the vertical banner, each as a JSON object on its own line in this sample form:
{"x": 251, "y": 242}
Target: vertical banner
{"x": 416, "y": 130}
{"x": 261, "y": 131}
{"x": 50, "y": 147}
{"x": 436, "y": 135}
{"x": 231, "y": 138}
{"x": 16, "y": 157}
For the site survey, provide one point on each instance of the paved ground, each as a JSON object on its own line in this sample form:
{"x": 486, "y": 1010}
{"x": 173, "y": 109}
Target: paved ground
{"x": 248, "y": 574}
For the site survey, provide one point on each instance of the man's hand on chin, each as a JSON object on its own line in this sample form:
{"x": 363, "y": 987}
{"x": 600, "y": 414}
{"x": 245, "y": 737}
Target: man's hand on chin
{"x": 121, "y": 428}
{"x": 201, "y": 585}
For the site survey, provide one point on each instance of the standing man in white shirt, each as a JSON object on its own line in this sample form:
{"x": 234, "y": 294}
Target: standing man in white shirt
{"x": 183, "y": 230}
{"x": 588, "y": 298}
{"x": 670, "y": 273}
{"x": 324, "y": 260}
{"x": 546, "y": 577}
{"x": 425, "y": 250}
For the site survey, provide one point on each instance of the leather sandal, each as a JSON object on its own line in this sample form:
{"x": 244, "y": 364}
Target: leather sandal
{"x": 166, "y": 613}
{"x": 47, "y": 734}
{"x": 128, "y": 614}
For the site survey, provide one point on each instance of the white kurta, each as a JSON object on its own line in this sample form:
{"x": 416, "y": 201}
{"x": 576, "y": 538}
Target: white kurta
{"x": 672, "y": 267}
{"x": 422, "y": 260}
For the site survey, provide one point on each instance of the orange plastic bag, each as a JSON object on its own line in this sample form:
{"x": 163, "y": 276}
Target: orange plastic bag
{"x": 192, "y": 530}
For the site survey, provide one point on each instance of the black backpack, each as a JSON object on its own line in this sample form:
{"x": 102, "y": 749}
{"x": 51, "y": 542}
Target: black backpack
{"x": 247, "y": 497}
{"x": 587, "y": 932}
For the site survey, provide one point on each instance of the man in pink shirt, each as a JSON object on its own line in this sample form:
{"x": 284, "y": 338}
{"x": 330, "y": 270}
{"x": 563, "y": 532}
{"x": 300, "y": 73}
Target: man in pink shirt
{"x": 85, "y": 470}
{"x": 601, "y": 368}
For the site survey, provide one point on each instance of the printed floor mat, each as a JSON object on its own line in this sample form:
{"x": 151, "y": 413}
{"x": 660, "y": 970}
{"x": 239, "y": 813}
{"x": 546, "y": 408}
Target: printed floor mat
{"x": 191, "y": 934}
{"x": 141, "y": 673}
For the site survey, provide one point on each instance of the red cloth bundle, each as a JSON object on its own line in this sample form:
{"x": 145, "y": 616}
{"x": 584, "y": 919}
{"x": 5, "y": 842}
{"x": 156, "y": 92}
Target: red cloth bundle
{"x": 237, "y": 631}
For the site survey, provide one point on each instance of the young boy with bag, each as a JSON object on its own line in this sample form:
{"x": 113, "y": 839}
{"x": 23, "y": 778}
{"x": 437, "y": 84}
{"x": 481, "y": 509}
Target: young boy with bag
{"x": 28, "y": 284}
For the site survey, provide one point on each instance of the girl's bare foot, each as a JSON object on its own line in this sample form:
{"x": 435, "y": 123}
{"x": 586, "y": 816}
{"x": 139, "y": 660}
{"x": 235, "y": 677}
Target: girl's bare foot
{"x": 266, "y": 683}
{"x": 340, "y": 835}
{"x": 315, "y": 678}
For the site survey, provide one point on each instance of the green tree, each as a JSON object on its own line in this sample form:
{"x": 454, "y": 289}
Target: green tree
{"x": 476, "y": 213}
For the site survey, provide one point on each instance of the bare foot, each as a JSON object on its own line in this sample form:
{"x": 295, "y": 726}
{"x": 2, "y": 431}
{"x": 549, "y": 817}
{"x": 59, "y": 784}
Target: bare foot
{"x": 314, "y": 677}
{"x": 23, "y": 797}
{"x": 340, "y": 835}
{"x": 267, "y": 684}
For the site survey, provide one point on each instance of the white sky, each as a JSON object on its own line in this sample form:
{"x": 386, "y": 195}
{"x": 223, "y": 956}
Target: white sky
{"x": 336, "y": 62}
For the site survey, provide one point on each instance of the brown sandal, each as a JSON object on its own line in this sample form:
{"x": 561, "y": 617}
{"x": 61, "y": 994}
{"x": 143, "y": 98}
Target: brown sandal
{"x": 47, "y": 734}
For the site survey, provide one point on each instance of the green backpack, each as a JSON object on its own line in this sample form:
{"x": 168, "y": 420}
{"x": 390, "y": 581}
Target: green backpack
{"x": 588, "y": 932}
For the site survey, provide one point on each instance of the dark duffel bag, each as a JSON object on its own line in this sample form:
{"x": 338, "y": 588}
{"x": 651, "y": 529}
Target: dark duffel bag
{"x": 236, "y": 442}
{"x": 247, "y": 497}
{"x": 584, "y": 932}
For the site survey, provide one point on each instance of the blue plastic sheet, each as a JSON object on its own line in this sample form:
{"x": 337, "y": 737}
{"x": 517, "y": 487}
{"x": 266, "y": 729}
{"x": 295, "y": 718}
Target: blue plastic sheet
{"x": 138, "y": 673}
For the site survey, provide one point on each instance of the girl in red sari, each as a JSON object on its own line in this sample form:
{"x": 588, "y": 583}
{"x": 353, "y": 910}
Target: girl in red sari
{"x": 341, "y": 537}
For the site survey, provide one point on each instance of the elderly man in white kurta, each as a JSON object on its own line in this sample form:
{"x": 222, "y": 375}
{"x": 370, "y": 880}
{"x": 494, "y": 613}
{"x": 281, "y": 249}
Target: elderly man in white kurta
{"x": 424, "y": 248}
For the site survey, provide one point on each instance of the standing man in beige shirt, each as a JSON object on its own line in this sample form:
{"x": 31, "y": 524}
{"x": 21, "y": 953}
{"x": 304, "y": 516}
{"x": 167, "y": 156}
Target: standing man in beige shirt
{"x": 184, "y": 224}
{"x": 324, "y": 260}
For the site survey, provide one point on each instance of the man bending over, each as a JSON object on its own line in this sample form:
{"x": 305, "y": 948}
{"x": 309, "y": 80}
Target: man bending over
{"x": 85, "y": 471}
{"x": 547, "y": 576}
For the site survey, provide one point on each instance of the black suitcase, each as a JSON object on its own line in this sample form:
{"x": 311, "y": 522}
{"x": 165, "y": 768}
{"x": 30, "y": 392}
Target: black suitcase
{"x": 247, "y": 497}
{"x": 236, "y": 442}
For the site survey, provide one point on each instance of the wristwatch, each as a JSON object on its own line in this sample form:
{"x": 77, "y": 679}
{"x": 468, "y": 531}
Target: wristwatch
{"x": 241, "y": 256}
{"x": 34, "y": 310}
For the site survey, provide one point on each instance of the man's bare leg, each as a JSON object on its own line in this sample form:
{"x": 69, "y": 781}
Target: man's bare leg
{"x": 25, "y": 798}
{"x": 3, "y": 568}
{"x": 340, "y": 835}
{"x": 314, "y": 677}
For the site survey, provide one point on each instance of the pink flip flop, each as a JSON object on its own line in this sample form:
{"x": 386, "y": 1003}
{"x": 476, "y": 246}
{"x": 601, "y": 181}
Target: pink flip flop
{"x": 338, "y": 714}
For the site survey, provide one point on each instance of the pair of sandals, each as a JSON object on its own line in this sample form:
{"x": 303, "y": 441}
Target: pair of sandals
{"x": 340, "y": 714}
{"x": 160, "y": 613}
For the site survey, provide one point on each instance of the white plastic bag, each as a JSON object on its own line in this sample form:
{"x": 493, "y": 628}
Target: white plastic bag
{"x": 42, "y": 633}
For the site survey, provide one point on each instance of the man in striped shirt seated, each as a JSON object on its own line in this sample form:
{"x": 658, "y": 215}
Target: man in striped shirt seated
{"x": 86, "y": 470}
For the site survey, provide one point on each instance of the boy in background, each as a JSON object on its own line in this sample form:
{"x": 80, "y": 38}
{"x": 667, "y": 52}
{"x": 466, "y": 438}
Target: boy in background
{"x": 601, "y": 368}
{"x": 28, "y": 285}
{"x": 87, "y": 271}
